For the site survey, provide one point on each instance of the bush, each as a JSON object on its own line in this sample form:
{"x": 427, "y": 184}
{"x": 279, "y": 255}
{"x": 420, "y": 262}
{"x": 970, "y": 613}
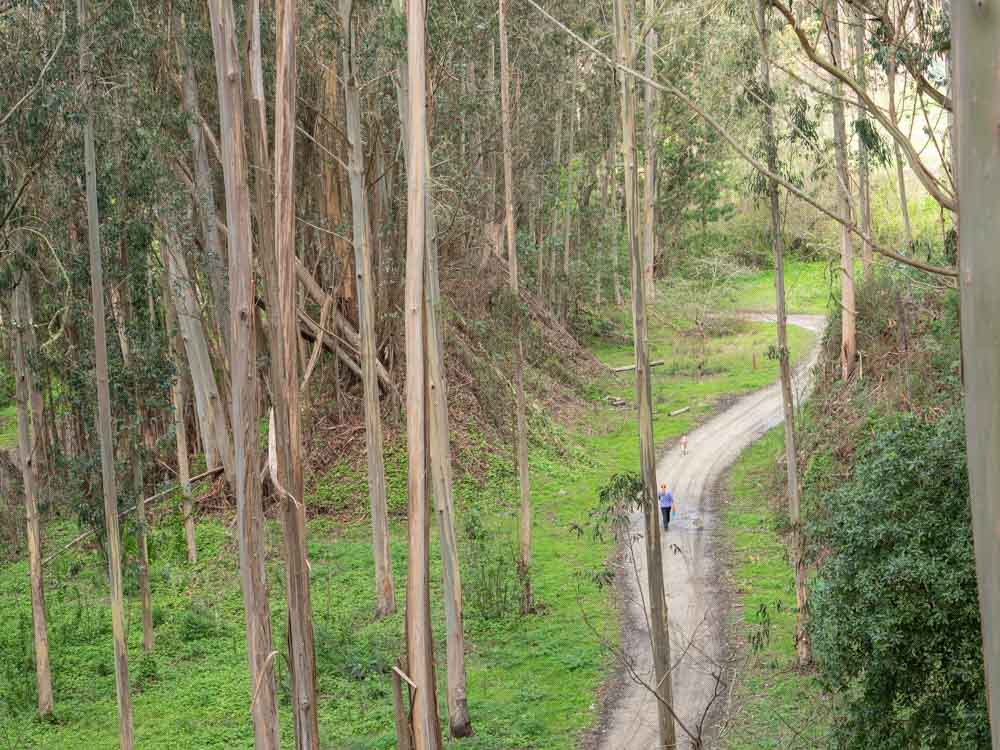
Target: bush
{"x": 894, "y": 612}
{"x": 490, "y": 584}
{"x": 197, "y": 623}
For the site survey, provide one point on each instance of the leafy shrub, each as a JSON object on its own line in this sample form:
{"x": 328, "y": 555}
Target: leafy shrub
{"x": 490, "y": 584}
{"x": 146, "y": 672}
{"x": 197, "y": 623}
{"x": 894, "y": 613}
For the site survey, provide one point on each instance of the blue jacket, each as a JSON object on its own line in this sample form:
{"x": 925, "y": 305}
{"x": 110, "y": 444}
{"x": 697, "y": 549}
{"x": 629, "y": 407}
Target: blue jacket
{"x": 666, "y": 499}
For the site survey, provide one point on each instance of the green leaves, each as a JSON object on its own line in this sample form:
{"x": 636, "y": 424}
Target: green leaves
{"x": 895, "y": 622}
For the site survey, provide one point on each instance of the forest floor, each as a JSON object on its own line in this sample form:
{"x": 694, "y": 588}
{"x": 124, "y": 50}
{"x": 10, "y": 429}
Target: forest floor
{"x": 693, "y": 569}
{"x": 532, "y": 680}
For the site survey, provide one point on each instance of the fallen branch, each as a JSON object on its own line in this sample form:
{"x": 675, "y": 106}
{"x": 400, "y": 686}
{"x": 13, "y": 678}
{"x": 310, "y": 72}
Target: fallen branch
{"x": 146, "y": 501}
{"x": 617, "y": 370}
{"x": 405, "y": 677}
{"x": 678, "y": 411}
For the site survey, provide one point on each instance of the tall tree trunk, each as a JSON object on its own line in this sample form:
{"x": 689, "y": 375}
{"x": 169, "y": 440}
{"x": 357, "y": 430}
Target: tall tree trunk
{"x": 384, "y": 588}
{"x": 245, "y": 408}
{"x": 263, "y": 176}
{"x": 27, "y": 440}
{"x": 557, "y": 161}
{"x": 976, "y": 35}
{"x": 210, "y": 407}
{"x": 125, "y": 320}
{"x": 420, "y": 646}
{"x": 784, "y": 360}
{"x": 567, "y": 208}
{"x": 178, "y": 392}
{"x": 602, "y": 238}
{"x": 521, "y": 421}
{"x": 439, "y": 451}
{"x": 139, "y": 483}
{"x": 301, "y": 654}
{"x": 904, "y": 207}
{"x": 42, "y": 444}
{"x": 864, "y": 193}
{"x": 616, "y": 223}
{"x": 459, "y": 721}
{"x": 658, "y": 626}
{"x": 125, "y": 727}
{"x": 215, "y": 262}
{"x": 848, "y": 345}
{"x": 331, "y": 199}
{"x": 562, "y": 290}
{"x": 649, "y": 184}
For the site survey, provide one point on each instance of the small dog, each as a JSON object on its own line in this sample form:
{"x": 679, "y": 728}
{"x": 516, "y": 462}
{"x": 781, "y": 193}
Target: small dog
{"x": 684, "y": 445}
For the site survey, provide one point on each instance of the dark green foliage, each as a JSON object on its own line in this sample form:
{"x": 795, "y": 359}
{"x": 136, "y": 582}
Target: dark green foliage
{"x": 879, "y": 153}
{"x": 894, "y": 613}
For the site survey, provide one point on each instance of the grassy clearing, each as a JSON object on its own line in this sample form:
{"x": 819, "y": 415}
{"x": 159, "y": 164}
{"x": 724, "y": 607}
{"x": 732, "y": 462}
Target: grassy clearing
{"x": 8, "y": 427}
{"x": 532, "y": 680}
{"x": 774, "y": 705}
{"x": 808, "y": 286}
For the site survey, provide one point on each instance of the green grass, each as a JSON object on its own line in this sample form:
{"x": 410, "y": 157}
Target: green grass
{"x": 8, "y": 427}
{"x": 531, "y": 680}
{"x": 807, "y": 289}
{"x": 774, "y": 704}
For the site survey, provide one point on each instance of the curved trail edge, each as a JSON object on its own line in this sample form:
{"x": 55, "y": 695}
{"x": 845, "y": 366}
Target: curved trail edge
{"x": 697, "y": 598}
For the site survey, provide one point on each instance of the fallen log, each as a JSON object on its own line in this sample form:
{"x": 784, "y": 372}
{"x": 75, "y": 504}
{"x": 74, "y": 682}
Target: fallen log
{"x": 678, "y": 411}
{"x": 617, "y": 370}
{"x": 152, "y": 498}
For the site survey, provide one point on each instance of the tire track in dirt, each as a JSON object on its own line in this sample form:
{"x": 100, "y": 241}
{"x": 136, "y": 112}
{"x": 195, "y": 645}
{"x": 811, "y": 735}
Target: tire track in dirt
{"x": 697, "y": 600}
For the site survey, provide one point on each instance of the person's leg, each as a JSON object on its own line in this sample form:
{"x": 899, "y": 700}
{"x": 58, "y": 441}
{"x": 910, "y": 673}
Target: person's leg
{"x": 665, "y": 515}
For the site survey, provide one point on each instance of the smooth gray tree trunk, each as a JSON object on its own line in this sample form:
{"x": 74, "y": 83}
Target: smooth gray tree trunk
{"x": 976, "y": 30}
{"x": 126, "y": 731}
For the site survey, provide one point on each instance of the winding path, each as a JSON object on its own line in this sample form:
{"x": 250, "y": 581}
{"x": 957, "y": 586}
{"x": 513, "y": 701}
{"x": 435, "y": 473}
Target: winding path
{"x": 697, "y": 600}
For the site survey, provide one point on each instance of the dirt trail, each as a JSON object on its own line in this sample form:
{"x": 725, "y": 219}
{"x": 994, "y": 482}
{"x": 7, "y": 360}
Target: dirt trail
{"x": 696, "y": 597}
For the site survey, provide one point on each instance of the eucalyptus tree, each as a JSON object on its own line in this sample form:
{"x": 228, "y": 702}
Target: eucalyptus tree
{"x": 28, "y": 440}
{"x": 385, "y": 596}
{"x": 243, "y": 355}
{"x": 770, "y": 147}
{"x": 520, "y": 418}
{"x": 658, "y": 623}
{"x": 438, "y": 448}
{"x": 419, "y": 638}
{"x": 126, "y": 731}
{"x": 285, "y": 387}
{"x": 651, "y": 43}
{"x": 976, "y": 36}
{"x": 848, "y": 342}
{"x": 864, "y": 190}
